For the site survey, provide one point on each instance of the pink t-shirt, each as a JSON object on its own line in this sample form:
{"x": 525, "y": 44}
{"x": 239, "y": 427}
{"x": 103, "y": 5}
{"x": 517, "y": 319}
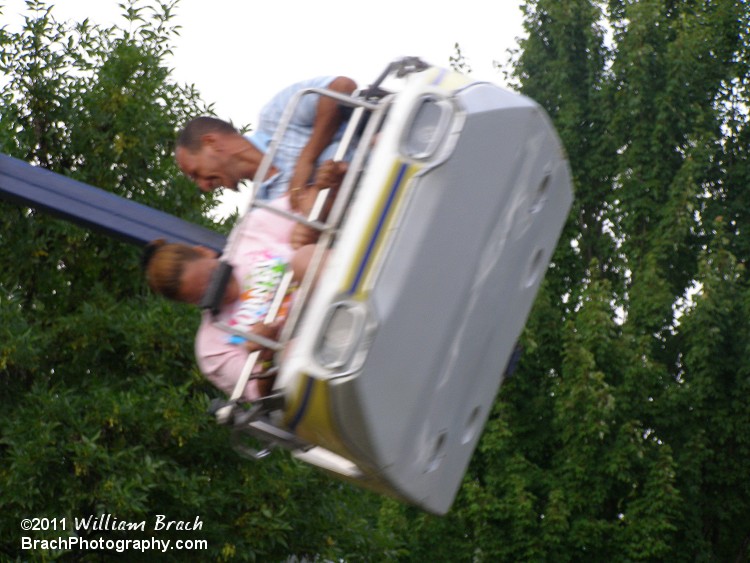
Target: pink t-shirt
{"x": 262, "y": 255}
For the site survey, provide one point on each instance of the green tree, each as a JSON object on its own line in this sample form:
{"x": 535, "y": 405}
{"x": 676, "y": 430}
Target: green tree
{"x": 622, "y": 436}
{"x": 102, "y": 409}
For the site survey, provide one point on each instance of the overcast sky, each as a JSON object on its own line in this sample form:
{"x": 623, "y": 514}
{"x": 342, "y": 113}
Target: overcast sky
{"x": 238, "y": 53}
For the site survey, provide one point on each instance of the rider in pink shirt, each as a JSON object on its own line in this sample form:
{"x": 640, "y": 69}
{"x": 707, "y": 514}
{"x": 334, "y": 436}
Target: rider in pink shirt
{"x": 263, "y": 255}
{"x": 267, "y": 245}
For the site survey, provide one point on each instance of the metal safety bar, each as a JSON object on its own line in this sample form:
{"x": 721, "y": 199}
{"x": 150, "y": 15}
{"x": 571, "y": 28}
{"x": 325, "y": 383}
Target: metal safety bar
{"x": 214, "y": 294}
{"x": 225, "y": 411}
{"x": 335, "y": 218}
{"x": 217, "y": 286}
{"x": 369, "y": 98}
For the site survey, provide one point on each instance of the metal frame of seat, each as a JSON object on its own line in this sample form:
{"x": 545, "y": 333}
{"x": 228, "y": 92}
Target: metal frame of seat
{"x": 258, "y": 420}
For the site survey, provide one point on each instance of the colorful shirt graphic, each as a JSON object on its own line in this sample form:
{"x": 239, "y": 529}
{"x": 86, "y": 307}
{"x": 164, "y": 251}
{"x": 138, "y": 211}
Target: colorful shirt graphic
{"x": 259, "y": 265}
{"x": 258, "y": 291}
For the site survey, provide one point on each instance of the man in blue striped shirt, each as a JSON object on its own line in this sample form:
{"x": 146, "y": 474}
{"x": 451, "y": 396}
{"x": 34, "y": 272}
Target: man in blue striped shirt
{"x": 214, "y": 154}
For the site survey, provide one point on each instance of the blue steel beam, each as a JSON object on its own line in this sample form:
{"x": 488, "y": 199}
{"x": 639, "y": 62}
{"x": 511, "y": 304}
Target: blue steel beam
{"x": 97, "y": 209}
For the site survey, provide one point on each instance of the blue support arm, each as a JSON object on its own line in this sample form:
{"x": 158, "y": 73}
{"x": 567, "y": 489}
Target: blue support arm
{"x": 97, "y": 209}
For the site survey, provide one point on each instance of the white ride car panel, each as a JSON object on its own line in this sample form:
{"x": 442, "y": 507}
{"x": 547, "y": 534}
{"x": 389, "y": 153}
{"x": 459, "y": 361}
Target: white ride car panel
{"x": 392, "y": 369}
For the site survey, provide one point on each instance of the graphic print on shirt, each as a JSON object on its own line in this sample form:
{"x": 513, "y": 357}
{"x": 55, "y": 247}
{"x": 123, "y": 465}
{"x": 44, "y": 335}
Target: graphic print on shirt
{"x": 258, "y": 288}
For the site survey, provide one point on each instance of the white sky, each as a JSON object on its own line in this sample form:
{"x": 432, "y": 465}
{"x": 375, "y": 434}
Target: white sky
{"x": 238, "y": 53}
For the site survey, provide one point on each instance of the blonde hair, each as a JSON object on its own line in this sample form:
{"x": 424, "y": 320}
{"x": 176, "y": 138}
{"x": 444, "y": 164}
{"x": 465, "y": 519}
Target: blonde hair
{"x": 164, "y": 264}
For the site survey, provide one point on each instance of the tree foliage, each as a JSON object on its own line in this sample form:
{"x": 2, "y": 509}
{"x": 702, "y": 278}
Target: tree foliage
{"x": 102, "y": 409}
{"x": 622, "y": 435}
